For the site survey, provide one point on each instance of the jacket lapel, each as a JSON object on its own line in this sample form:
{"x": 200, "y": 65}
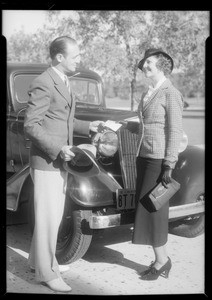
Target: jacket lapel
{"x": 156, "y": 93}
{"x": 60, "y": 86}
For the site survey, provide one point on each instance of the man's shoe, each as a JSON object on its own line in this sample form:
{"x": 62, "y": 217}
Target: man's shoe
{"x": 58, "y": 285}
{"x": 62, "y": 268}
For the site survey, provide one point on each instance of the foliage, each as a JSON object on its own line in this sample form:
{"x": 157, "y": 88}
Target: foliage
{"x": 113, "y": 42}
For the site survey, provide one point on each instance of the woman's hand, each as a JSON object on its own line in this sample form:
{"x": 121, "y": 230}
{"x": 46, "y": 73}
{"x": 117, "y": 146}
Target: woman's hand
{"x": 166, "y": 176}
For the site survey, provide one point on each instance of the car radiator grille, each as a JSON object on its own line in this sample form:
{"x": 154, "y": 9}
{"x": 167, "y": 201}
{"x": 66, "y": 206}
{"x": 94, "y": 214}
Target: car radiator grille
{"x": 127, "y": 154}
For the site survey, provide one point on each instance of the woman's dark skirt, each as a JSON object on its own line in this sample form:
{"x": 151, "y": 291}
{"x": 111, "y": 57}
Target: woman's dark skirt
{"x": 150, "y": 228}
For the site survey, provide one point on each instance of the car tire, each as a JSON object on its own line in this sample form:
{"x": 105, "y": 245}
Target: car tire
{"x": 191, "y": 226}
{"x": 189, "y": 229}
{"x": 74, "y": 236}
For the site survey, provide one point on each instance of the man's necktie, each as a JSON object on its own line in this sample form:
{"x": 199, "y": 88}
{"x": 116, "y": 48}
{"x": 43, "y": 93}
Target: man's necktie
{"x": 67, "y": 83}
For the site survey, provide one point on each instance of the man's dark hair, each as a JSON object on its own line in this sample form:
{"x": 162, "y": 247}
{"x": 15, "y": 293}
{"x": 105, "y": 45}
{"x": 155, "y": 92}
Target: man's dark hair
{"x": 59, "y": 45}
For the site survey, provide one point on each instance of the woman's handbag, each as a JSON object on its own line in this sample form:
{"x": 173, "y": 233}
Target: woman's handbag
{"x": 160, "y": 195}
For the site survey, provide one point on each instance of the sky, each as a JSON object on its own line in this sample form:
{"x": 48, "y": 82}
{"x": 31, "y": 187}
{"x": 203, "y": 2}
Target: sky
{"x": 14, "y": 20}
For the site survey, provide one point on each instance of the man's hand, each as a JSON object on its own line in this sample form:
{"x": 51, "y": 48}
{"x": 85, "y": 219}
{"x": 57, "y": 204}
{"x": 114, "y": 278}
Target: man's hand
{"x": 166, "y": 176}
{"x": 66, "y": 154}
{"x": 96, "y": 126}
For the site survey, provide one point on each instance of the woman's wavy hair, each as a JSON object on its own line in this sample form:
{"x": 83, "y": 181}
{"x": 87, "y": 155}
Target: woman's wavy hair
{"x": 164, "y": 64}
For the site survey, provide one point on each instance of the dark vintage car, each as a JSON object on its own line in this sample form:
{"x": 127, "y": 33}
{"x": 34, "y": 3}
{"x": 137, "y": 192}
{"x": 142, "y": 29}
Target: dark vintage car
{"x": 104, "y": 200}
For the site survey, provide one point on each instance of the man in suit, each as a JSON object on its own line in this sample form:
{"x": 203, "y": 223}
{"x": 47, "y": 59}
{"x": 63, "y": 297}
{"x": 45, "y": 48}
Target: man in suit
{"x": 160, "y": 134}
{"x": 49, "y": 124}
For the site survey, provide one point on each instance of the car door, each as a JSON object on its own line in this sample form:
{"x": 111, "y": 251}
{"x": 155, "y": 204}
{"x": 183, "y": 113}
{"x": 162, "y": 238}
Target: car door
{"x": 17, "y": 145}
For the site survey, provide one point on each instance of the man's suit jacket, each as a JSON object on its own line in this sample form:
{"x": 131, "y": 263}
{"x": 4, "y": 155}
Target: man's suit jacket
{"x": 161, "y": 124}
{"x": 49, "y": 120}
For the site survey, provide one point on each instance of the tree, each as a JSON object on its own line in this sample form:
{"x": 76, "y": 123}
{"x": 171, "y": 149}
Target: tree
{"x": 181, "y": 33}
{"x": 187, "y": 33}
{"x": 113, "y": 42}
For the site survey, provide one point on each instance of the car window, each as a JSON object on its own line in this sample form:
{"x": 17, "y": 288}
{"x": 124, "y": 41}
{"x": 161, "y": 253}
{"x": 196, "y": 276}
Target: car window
{"x": 85, "y": 91}
{"x": 21, "y": 86}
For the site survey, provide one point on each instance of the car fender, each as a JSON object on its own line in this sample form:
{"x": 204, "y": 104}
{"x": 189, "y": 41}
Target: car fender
{"x": 189, "y": 172}
{"x": 92, "y": 191}
{"x": 95, "y": 191}
{"x": 18, "y": 188}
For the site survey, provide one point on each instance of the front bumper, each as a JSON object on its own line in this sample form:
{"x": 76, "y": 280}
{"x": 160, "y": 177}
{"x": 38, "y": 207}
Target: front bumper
{"x": 101, "y": 222}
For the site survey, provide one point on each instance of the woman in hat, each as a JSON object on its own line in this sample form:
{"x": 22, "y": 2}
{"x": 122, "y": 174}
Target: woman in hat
{"x": 160, "y": 133}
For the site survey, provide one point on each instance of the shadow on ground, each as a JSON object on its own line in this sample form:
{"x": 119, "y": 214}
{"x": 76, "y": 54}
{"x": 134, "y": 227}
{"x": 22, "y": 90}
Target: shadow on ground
{"x": 99, "y": 252}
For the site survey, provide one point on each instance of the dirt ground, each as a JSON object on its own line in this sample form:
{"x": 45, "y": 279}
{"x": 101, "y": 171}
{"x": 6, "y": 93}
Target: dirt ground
{"x": 111, "y": 266}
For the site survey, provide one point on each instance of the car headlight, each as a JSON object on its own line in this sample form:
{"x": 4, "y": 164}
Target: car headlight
{"x": 106, "y": 143}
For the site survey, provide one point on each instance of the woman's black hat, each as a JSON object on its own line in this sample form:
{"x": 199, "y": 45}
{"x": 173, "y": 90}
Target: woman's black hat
{"x": 151, "y": 52}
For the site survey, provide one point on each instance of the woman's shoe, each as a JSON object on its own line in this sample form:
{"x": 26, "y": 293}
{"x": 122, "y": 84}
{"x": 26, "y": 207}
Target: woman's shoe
{"x": 147, "y": 271}
{"x": 153, "y": 274}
